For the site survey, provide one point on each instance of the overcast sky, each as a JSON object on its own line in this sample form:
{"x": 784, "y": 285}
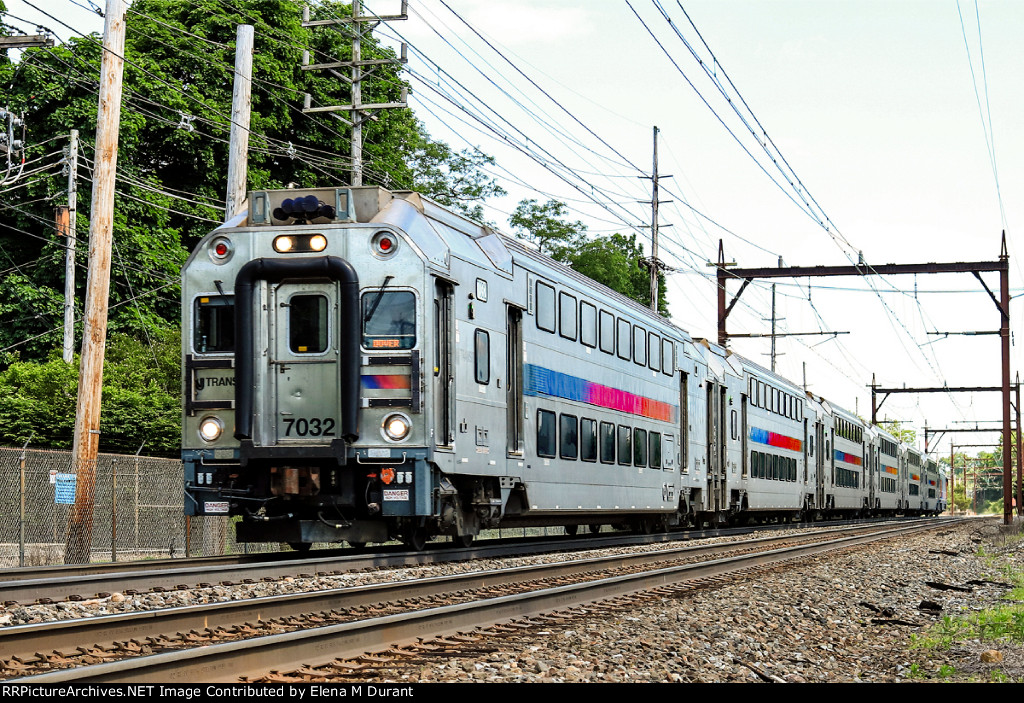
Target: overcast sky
{"x": 872, "y": 105}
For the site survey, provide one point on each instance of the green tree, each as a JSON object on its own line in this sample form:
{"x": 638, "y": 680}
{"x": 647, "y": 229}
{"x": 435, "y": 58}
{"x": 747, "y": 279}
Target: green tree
{"x": 172, "y": 157}
{"x": 902, "y": 434}
{"x": 141, "y": 397}
{"x": 613, "y": 260}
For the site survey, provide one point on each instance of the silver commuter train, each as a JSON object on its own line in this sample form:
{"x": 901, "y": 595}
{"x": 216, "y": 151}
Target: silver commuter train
{"x": 362, "y": 365}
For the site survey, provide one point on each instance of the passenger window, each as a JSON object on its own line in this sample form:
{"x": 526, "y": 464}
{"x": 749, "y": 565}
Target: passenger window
{"x": 625, "y": 445}
{"x": 389, "y": 319}
{"x": 569, "y": 432}
{"x": 545, "y": 433}
{"x": 655, "y": 454}
{"x": 654, "y": 351}
{"x": 667, "y": 360}
{"x": 640, "y": 345}
{"x": 482, "y": 349}
{"x": 639, "y": 447}
{"x": 588, "y": 325}
{"x": 545, "y": 307}
{"x": 215, "y": 324}
{"x": 607, "y": 332}
{"x": 607, "y": 443}
{"x": 307, "y": 324}
{"x": 588, "y": 440}
{"x": 624, "y": 330}
{"x": 567, "y": 316}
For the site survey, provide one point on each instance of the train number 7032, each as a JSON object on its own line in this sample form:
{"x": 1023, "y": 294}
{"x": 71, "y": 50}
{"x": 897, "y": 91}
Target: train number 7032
{"x": 308, "y": 427}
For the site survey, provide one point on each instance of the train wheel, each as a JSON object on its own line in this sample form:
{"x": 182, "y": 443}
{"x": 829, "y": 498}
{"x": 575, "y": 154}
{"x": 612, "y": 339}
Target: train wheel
{"x": 462, "y": 540}
{"x": 301, "y": 546}
{"x": 415, "y": 539}
{"x": 594, "y": 529}
{"x": 571, "y": 530}
{"x": 644, "y": 526}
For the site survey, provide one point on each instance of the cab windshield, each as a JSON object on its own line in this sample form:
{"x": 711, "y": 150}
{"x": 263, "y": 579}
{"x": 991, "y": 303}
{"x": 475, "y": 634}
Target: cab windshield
{"x": 389, "y": 319}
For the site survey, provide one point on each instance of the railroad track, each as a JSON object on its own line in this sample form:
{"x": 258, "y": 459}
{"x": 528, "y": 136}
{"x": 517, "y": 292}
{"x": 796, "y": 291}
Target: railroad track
{"x": 51, "y": 584}
{"x": 250, "y": 638}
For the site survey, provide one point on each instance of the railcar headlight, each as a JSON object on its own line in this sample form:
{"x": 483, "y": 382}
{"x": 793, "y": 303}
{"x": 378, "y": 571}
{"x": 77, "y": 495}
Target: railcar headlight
{"x": 396, "y": 427}
{"x": 211, "y": 428}
{"x": 299, "y": 243}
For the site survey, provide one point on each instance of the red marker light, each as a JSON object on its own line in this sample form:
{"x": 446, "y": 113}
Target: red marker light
{"x": 221, "y": 249}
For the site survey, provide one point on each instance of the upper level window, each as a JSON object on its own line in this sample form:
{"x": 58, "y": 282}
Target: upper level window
{"x": 567, "y": 316}
{"x": 607, "y": 332}
{"x": 389, "y": 319}
{"x": 588, "y": 324}
{"x": 640, "y": 345}
{"x": 623, "y": 334}
{"x": 545, "y": 307}
{"x": 667, "y": 362}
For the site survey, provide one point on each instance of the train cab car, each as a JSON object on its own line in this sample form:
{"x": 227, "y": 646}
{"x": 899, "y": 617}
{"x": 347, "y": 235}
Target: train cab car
{"x": 776, "y": 479}
{"x": 362, "y": 365}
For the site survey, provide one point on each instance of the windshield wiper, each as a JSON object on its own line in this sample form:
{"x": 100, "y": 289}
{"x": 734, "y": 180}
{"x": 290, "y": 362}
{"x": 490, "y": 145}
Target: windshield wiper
{"x": 376, "y": 301}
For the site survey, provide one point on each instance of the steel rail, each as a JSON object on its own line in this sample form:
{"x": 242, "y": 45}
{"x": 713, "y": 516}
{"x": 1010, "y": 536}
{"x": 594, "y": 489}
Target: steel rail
{"x": 57, "y": 583}
{"x": 231, "y": 660}
{"x": 65, "y": 635}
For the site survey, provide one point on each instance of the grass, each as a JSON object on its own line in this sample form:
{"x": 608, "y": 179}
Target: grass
{"x": 995, "y": 627}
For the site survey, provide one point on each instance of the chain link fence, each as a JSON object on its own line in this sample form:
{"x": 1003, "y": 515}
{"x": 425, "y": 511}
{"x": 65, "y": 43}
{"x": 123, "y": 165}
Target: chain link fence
{"x": 136, "y": 511}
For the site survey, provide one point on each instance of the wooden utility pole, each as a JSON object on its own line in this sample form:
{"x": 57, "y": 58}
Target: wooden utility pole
{"x": 94, "y": 334}
{"x": 241, "y": 109}
{"x": 70, "y": 240}
{"x": 361, "y": 112}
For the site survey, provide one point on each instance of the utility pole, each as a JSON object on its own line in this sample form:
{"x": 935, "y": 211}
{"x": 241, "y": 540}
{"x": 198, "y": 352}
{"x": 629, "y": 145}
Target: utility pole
{"x": 25, "y": 42}
{"x": 654, "y": 265}
{"x": 241, "y": 109}
{"x": 361, "y": 112}
{"x": 70, "y": 240}
{"x": 94, "y": 334}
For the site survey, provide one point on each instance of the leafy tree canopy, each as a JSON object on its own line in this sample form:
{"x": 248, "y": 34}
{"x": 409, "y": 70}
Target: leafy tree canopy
{"x": 173, "y": 147}
{"x": 141, "y": 389}
{"x": 902, "y": 434}
{"x": 613, "y": 260}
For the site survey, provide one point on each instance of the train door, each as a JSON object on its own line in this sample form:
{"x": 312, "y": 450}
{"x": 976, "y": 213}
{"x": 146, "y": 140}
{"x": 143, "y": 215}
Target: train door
{"x": 716, "y": 447}
{"x": 819, "y": 465}
{"x": 514, "y": 384}
{"x": 303, "y": 404}
{"x": 872, "y": 475}
{"x": 444, "y": 371}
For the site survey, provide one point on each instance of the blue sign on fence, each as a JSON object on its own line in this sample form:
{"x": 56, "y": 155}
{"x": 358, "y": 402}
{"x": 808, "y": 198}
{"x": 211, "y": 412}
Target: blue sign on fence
{"x": 64, "y": 493}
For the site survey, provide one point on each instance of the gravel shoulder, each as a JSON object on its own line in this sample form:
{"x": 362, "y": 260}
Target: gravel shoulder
{"x": 844, "y": 618}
